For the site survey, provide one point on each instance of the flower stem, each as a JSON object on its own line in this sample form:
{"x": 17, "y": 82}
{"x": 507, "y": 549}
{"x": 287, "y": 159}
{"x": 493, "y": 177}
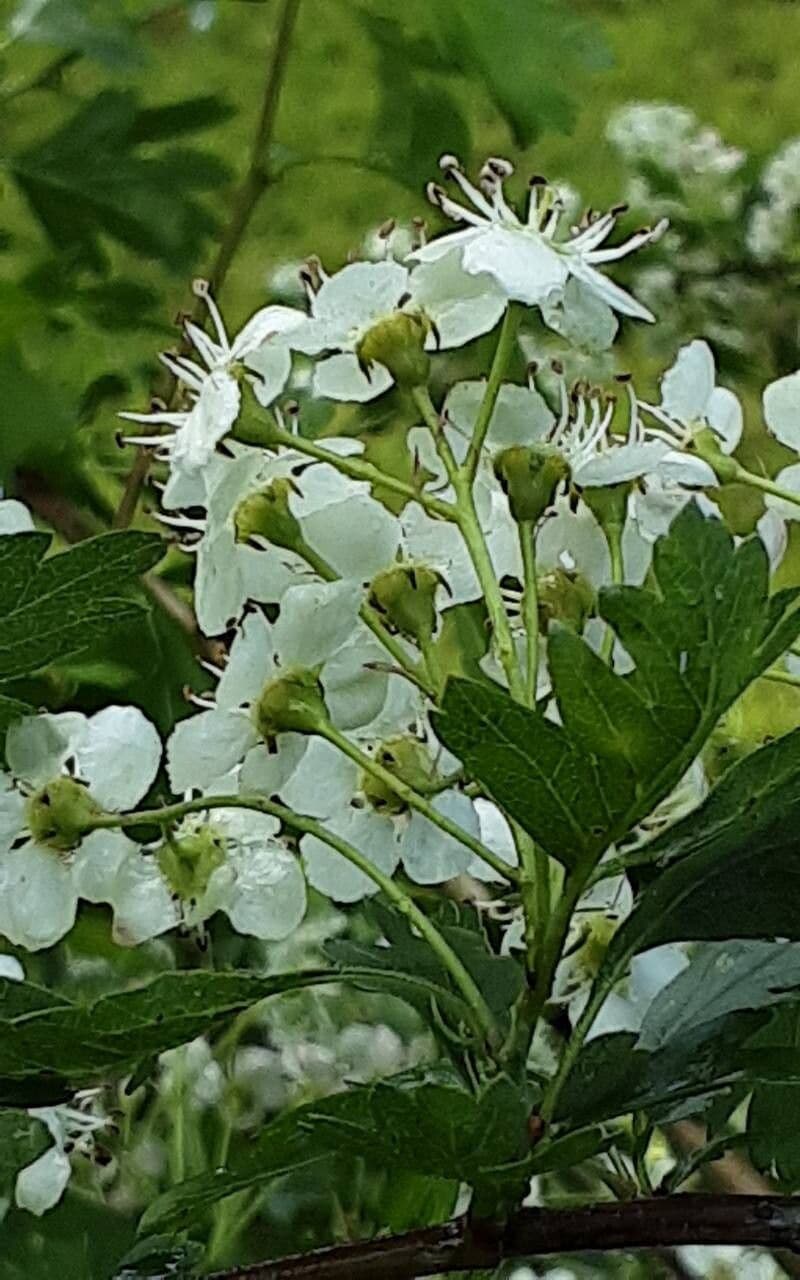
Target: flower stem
{"x": 743, "y": 476}
{"x": 502, "y": 357}
{"x": 433, "y": 421}
{"x": 613, "y": 534}
{"x": 482, "y": 1015}
{"x": 417, "y": 802}
{"x": 530, "y": 608}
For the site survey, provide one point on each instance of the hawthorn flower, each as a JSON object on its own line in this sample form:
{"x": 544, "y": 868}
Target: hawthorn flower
{"x": 371, "y": 306}
{"x": 260, "y": 349}
{"x": 41, "y": 1184}
{"x": 63, "y": 770}
{"x": 690, "y": 401}
{"x": 524, "y": 257}
{"x": 781, "y": 401}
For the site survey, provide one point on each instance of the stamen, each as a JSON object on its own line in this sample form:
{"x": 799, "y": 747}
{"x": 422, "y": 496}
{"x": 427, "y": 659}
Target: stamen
{"x": 201, "y": 289}
{"x": 474, "y": 196}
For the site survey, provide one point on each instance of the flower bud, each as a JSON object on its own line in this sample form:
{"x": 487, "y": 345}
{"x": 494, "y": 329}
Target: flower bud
{"x": 706, "y": 445}
{"x": 529, "y": 475}
{"x": 61, "y": 813}
{"x": 398, "y": 343}
{"x": 408, "y": 760}
{"x": 406, "y": 596}
{"x": 608, "y": 504}
{"x": 291, "y": 703}
{"x": 267, "y": 514}
{"x": 188, "y": 862}
{"x": 564, "y": 597}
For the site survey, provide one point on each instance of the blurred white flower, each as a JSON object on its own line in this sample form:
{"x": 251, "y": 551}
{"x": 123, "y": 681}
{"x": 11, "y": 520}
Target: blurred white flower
{"x": 40, "y": 1185}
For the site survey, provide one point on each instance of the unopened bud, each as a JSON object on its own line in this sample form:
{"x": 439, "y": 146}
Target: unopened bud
{"x": 406, "y": 596}
{"x": 608, "y": 504}
{"x": 61, "y": 813}
{"x": 188, "y": 862}
{"x": 291, "y": 703}
{"x": 267, "y": 514}
{"x": 409, "y": 761}
{"x": 529, "y": 475}
{"x": 706, "y": 445}
{"x": 564, "y": 597}
{"x": 398, "y": 343}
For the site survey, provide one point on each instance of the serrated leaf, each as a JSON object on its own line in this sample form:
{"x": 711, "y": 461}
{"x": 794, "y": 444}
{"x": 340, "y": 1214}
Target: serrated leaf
{"x": 68, "y": 1046}
{"x": 721, "y": 978}
{"x": 53, "y": 608}
{"x": 89, "y": 178}
{"x": 698, "y": 635}
{"x": 427, "y": 1122}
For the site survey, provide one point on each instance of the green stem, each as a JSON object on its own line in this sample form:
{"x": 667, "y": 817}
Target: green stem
{"x": 573, "y": 1047}
{"x": 356, "y": 468}
{"x": 433, "y": 421}
{"x": 417, "y": 802}
{"x": 555, "y": 939}
{"x": 613, "y": 534}
{"x": 502, "y": 357}
{"x": 530, "y": 608}
{"x": 482, "y": 1015}
{"x": 742, "y": 476}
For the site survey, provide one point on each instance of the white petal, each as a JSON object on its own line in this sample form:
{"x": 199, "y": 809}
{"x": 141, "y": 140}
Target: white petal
{"x": 354, "y": 694}
{"x": 462, "y": 306}
{"x": 521, "y": 415}
{"x": 211, "y": 418}
{"x": 41, "y": 1185}
{"x": 97, "y": 861}
{"x": 429, "y": 854}
{"x": 119, "y": 756}
{"x": 524, "y": 265}
{"x": 358, "y": 537}
{"x": 582, "y": 317}
{"x": 38, "y": 747}
{"x": 14, "y": 517}
{"x": 789, "y": 479}
{"x": 322, "y": 486}
{"x": 142, "y": 904}
{"x": 11, "y": 969}
{"x": 773, "y": 533}
{"x": 266, "y": 771}
{"x": 12, "y": 812}
{"x": 220, "y": 591}
{"x": 205, "y": 746}
{"x": 267, "y": 573}
{"x": 323, "y": 783}
{"x": 685, "y": 469}
{"x": 620, "y": 463}
{"x": 577, "y": 538}
{"x": 331, "y": 874}
{"x": 724, "y": 413}
{"x": 615, "y": 297}
{"x": 439, "y": 544}
{"x": 267, "y": 323}
{"x": 340, "y": 377}
{"x": 268, "y": 899}
{"x": 361, "y": 293}
{"x": 315, "y": 620}
{"x": 496, "y": 834}
{"x": 444, "y": 245}
{"x": 686, "y": 387}
{"x": 782, "y": 409}
{"x": 271, "y": 367}
{"x": 250, "y": 665}
{"x": 37, "y": 897}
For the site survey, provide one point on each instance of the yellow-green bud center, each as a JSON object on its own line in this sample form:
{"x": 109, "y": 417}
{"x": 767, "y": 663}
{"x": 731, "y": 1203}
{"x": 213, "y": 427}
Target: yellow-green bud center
{"x": 60, "y": 813}
{"x": 409, "y": 761}
{"x": 406, "y": 596}
{"x": 291, "y": 703}
{"x": 267, "y": 514}
{"x": 529, "y": 475}
{"x": 564, "y": 597}
{"x": 398, "y": 343}
{"x": 188, "y": 862}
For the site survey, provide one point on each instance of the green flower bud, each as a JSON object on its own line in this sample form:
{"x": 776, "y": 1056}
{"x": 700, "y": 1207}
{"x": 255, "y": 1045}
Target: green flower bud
{"x": 408, "y": 760}
{"x": 564, "y": 597}
{"x": 188, "y": 862}
{"x": 268, "y": 514}
{"x": 60, "y": 813}
{"x": 529, "y": 475}
{"x": 706, "y": 445}
{"x": 398, "y": 343}
{"x": 406, "y": 596}
{"x": 291, "y": 703}
{"x": 608, "y": 503}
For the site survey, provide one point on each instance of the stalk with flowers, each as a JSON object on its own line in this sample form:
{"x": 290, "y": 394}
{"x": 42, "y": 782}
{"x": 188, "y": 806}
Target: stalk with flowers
{"x": 525, "y": 798}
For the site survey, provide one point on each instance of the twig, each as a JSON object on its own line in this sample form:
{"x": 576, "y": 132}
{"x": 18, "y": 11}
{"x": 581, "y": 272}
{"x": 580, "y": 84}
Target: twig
{"x": 771, "y": 1222}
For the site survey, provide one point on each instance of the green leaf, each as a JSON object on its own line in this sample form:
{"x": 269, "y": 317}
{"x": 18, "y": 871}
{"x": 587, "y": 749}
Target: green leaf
{"x": 60, "y": 606}
{"x": 698, "y": 635}
{"x": 428, "y": 1122}
{"x": 68, "y": 1046}
{"x": 89, "y": 178}
{"x": 721, "y": 978}
{"x": 22, "y": 1140}
{"x": 38, "y": 426}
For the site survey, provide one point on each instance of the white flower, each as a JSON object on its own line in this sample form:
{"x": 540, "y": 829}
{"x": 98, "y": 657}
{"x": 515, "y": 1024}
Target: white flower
{"x": 260, "y": 347}
{"x": 116, "y": 754}
{"x": 14, "y": 517}
{"x": 782, "y": 409}
{"x": 348, "y": 304}
{"x": 523, "y": 257}
{"x": 40, "y": 1185}
{"x": 690, "y": 400}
